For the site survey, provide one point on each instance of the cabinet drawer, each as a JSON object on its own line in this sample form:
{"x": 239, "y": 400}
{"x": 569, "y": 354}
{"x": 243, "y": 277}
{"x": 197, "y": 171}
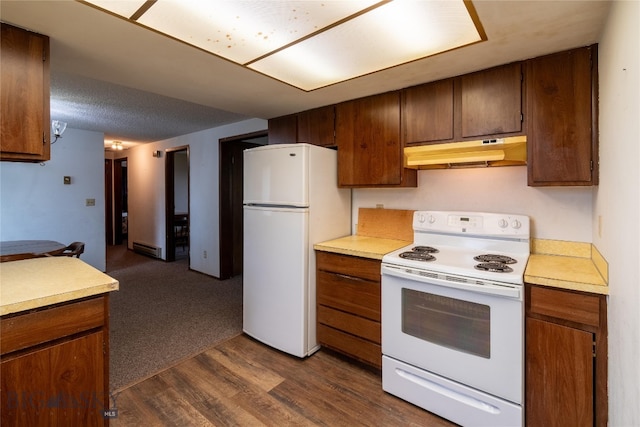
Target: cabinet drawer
{"x": 37, "y": 327}
{"x": 350, "y": 294}
{"x": 350, "y": 345}
{"x": 355, "y": 325}
{"x": 575, "y": 307}
{"x": 349, "y": 265}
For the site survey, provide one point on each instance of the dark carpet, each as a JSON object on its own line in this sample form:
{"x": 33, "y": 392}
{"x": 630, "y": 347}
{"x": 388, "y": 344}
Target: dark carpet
{"x": 164, "y": 313}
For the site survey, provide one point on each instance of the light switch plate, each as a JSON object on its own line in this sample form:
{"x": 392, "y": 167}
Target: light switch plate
{"x": 67, "y": 180}
{"x": 91, "y": 202}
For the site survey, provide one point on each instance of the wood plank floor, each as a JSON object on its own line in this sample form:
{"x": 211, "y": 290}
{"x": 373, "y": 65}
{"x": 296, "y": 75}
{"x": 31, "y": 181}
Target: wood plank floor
{"x": 242, "y": 382}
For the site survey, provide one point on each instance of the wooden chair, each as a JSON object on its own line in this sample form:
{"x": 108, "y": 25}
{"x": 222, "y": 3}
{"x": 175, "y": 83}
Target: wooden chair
{"x": 75, "y": 249}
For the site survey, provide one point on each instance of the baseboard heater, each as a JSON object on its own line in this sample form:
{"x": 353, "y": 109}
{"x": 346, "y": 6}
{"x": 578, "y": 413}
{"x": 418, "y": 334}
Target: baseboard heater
{"x": 144, "y": 249}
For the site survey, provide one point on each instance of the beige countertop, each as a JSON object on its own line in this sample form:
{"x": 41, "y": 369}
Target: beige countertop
{"x": 567, "y": 265}
{"x": 38, "y": 282}
{"x": 362, "y": 246}
{"x": 559, "y": 264}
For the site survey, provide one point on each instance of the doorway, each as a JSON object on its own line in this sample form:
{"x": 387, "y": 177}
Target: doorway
{"x": 120, "y": 200}
{"x": 230, "y": 203}
{"x": 177, "y": 203}
{"x": 116, "y": 200}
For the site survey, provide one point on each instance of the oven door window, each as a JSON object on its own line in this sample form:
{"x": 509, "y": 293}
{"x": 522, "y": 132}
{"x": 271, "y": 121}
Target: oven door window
{"x": 449, "y": 322}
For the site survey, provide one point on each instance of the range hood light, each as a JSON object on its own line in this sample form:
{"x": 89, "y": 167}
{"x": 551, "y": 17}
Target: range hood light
{"x": 466, "y": 157}
{"x": 509, "y": 151}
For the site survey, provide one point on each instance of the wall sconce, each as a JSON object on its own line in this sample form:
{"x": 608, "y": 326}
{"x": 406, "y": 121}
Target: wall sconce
{"x": 58, "y": 128}
{"x": 116, "y": 145}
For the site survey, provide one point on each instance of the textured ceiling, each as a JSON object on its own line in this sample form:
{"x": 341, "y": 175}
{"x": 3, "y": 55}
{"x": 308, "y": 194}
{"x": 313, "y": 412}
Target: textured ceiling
{"x": 128, "y": 114}
{"x": 113, "y": 76}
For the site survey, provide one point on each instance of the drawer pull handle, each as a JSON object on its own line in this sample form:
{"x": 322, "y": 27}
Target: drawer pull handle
{"x": 344, "y": 276}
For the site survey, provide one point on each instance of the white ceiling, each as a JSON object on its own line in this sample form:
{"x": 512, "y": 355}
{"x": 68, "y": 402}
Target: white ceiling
{"x": 135, "y": 85}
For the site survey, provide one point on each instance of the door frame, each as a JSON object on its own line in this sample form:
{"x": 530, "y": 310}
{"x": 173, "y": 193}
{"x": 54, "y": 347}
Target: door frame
{"x": 230, "y": 198}
{"x": 170, "y": 192}
{"x": 118, "y": 198}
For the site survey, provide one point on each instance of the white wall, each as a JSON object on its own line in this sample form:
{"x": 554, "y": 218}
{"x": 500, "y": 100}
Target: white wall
{"x": 617, "y": 202}
{"x": 559, "y": 213}
{"x": 146, "y": 192}
{"x": 35, "y": 204}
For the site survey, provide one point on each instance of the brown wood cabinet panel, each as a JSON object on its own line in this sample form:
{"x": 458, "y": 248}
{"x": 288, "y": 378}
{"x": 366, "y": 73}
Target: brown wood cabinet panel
{"x": 348, "y": 301}
{"x": 491, "y": 101}
{"x": 427, "y": 112}
{"x": 283, "y": 130}
{"x": 58, "y": 385}
{"x": 26, "y": 330}
{"x": 562, "y": 118}
{"x": 317, "y": 126}
{"x": 559, "y": 375}
{"x": 350, "y": 294}
{"x": 565, "y": 328}
{"x": 350, "y": 345}
{"x": 355, "y": 325}
{"x": 572, "y": 306}
{"x": 364, "y": 268}
{"x": 24, "y": 95}
{"x": 370, "y": 152}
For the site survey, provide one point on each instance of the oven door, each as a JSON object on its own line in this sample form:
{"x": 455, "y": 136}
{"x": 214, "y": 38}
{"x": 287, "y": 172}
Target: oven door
{"x": 471, "y": 334}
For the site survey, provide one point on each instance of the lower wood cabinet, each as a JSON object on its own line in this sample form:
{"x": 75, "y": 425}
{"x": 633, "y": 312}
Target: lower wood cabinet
{"x": 348, "y": 306}
{"x": 55, "y": 366}
{"x": 566, "y": 358}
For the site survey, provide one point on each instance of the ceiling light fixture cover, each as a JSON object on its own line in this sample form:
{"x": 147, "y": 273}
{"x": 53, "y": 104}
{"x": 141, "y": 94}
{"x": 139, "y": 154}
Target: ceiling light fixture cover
{"x": 311, "y": 44}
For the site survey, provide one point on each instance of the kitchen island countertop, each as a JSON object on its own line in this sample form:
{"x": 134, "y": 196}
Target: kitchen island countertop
{"x": 39, "y": 282}
{"x": 362, "y": 246}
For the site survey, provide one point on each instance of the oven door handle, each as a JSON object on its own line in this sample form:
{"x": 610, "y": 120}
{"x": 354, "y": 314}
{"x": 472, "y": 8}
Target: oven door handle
{"x": 490, "y": 288}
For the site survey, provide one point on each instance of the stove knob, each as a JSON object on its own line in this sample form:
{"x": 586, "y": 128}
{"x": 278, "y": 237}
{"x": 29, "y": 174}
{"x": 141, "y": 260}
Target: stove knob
{"x": 516, "y": 224}
{"x": 432, "y": 219}
{"x": 503, "y": 223}
{"x": 420, "y": 218}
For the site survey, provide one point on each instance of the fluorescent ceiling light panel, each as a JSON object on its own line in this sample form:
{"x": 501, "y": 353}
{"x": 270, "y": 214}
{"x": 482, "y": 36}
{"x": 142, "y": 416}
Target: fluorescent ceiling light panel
{"x": 311, "y": 44}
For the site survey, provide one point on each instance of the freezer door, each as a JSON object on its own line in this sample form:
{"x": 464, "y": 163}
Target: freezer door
{"x": 275, "y": 285}
{"x": 277, "y": 175}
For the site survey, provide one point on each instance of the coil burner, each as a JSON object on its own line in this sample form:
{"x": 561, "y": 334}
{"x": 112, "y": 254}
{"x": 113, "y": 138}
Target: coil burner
{"x": 494, "y": 267}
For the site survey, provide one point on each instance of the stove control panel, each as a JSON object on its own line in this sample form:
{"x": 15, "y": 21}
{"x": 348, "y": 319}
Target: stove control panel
{"x": 477, "y": 223}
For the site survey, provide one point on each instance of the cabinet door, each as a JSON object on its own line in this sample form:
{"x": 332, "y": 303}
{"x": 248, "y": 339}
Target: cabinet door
{"x": 562, "y": 138}
{"x": 491, "y": 101}
{"x": 317, "y": 126}
{"x": 24, "y": 95}
{"x": 427, "y": 112}
{"x": 57, "y": 385}
{"x": 559, "y": 375}
{"x": 283, "y": 130}
{"x": 368, "y": 139}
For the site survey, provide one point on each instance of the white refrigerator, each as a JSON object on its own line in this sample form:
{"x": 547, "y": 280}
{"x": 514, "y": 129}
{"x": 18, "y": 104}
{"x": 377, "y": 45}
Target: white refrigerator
{"x": 291, "y": 201}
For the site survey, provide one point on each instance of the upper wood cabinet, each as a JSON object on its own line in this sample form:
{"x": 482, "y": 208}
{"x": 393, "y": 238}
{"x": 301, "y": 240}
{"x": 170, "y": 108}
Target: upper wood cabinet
{"x": 317, "y": 126}
{"x": 491, "y": 102}
{"x": 370, "y": 153}
{"x": 24, "y": 95}
{"x": 427, "y": 112}
{"x": 283, "y": 130}
{"x": 479, "y": 105}
{"x": 562, "y": 100}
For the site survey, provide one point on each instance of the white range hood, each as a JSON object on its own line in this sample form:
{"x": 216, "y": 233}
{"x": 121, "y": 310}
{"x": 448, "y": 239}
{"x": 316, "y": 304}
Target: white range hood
{"x": 511, "y": 151}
